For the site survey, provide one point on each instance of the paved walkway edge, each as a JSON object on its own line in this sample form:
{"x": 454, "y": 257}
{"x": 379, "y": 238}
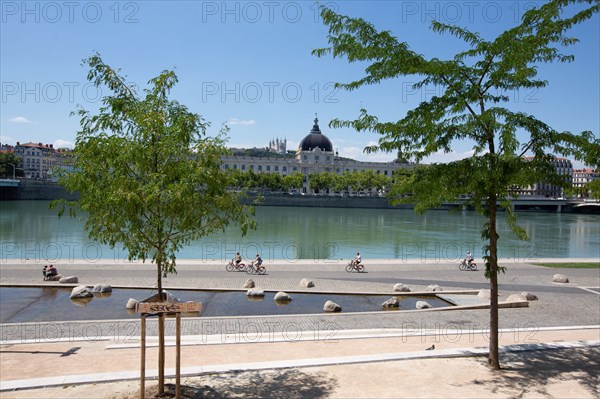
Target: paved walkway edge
{"x": 224, "y": 368}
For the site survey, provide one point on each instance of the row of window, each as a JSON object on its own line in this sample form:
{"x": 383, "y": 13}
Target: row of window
{"x": 259, "y": 167}
{"x": 316, "y": 158}
{"x": 284, "y": 168}
{"x": 30, "y": 153}
{"x": 582, "y": 180}
{"x": 44, "y": 161}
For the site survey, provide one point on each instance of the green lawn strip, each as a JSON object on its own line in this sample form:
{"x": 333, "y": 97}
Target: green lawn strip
{"x": 571, "y": 265}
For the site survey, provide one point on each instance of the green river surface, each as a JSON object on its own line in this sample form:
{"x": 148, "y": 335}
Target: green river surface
{"x": 29, "y": 230}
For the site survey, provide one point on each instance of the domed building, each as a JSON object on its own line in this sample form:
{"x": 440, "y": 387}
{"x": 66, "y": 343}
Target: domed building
{"x": 315, "y": 149}
{"x": 315, "y": 154}
{"x": 316, "y": 139}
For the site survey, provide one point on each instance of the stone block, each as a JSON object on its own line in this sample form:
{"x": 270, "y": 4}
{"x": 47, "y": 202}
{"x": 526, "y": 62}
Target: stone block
{"x": 69, "y": 280}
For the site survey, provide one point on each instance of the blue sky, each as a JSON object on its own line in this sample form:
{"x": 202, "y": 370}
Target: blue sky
{"x": 250, "y": 64}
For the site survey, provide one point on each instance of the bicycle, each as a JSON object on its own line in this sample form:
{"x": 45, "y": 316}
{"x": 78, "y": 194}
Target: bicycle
{"x": 239, "y": 267}
{"x": 463, "y": 265}
{"x": 352, "y": 266}
{"x": 251, "y": 269}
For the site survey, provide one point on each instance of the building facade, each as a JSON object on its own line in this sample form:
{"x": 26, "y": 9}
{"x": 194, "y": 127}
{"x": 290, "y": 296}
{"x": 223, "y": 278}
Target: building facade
{"x": 38, "y": 160}
{"x": 315, "y": 154}
{"x": 581, "y": 178}
{"x": 564, "y": 168}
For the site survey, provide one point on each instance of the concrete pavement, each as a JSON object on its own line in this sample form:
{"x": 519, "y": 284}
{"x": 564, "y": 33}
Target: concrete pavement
{"x": 315, "y": 350}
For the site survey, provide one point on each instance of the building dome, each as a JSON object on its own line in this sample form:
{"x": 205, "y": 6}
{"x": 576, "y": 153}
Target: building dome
{"x": 315, "y": 139}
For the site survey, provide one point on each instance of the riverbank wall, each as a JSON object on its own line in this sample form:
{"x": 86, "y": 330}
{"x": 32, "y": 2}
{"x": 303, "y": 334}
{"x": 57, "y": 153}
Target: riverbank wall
{"x": 47, "y": 191}
{"x": 322, "y": 201}
{"x": 35, "y": 190}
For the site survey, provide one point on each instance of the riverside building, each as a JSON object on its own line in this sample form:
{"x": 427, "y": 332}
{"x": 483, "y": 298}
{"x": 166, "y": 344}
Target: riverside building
{"x": 563, "y": 167}
{"x": 38, "y": 160}
{"x": 582, "y": 177}
{"x": 315, "y": 154}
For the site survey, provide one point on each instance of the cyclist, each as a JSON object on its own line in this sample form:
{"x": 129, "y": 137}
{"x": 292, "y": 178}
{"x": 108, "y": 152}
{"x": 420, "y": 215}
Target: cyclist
{"x": 357, "y": 259}
{"x": 257, "y": 261}
{"x": 469, "y": 259}
{"x": 238, "y": 259}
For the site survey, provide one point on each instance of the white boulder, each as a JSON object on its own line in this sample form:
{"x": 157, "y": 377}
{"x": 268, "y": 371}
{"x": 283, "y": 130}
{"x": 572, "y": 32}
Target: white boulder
{"x": 69, "y": 280}
{"x": 422, "y": 305}
{"x": 331, "y": 306}
{"x": 306, "y": 283}
{"x": 529, "y": 296}
{"x": 391, "y": 303}
{"x": 560, "y": 278}
{"x": 282, "y": 297}
{"x": 255, "y": 292}
{"x": 102, "y": 288}
{"x": 81, "y": 291}
{"x": 401, "y": 288}
{"x": 131, "y": 303}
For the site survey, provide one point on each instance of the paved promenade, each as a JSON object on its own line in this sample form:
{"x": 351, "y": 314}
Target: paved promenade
{"x": 374, "y": 354}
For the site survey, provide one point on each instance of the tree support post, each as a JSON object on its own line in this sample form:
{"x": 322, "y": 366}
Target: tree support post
{"x": 160, "y": 309}
{"x": 178, "y": 356}
{"x": 143, "y": 357}
{"x": 161, "y": 353}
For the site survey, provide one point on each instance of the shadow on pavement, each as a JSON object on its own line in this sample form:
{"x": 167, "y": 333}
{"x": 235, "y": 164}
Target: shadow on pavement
{"x": 288, "y": 383}
{"x": 531, "y": 373}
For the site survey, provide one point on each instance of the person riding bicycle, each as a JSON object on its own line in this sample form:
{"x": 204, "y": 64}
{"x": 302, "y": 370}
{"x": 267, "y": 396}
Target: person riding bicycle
{"x": 357, "y": 259}
{"x": 257, "y": 261}
{"x": 237, "y": 259}
{"x": 469, "y": 259}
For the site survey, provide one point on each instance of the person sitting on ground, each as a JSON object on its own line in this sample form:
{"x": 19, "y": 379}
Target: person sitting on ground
{"x": 238, "y": 259}
{"x": 357, "y": 259}
{"x": 51, "y": 272}
{"x": 257, "y": 261}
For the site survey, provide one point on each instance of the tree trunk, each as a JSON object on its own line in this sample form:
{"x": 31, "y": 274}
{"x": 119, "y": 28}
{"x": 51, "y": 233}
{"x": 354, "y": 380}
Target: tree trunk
{"x": 493, "y": 357}
{"x": 161, "y": 336}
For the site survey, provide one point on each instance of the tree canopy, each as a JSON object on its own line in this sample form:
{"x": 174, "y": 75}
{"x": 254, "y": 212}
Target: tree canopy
{"x": 468, "y": 106}
{"x": 9, "y": 165}
{"x": 148, "y": 175}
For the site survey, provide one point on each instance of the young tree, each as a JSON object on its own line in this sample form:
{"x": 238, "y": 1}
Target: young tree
{"x": 149, "y": 178}
{"x": 321, "y": 181}
{"x": 293, "y": 181}
{"x": 593, "y": 189}
{"x": 9, "y": 165}
{"x": 342, "y": 182}
{"x": 467, "y": 107}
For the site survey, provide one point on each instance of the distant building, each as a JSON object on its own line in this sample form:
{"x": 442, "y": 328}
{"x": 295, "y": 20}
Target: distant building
{"x": 38, "y": 160}
{"x": 564, "y": 168}
{"x": 278, "y": 146}
{"x": 315, "y": 154}
{"x": 6, "y": 148}
{"x": 582, "y": 177}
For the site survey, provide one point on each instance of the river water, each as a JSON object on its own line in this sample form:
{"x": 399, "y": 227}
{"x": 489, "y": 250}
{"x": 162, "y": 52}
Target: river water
{"x": 29, "y": 230}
